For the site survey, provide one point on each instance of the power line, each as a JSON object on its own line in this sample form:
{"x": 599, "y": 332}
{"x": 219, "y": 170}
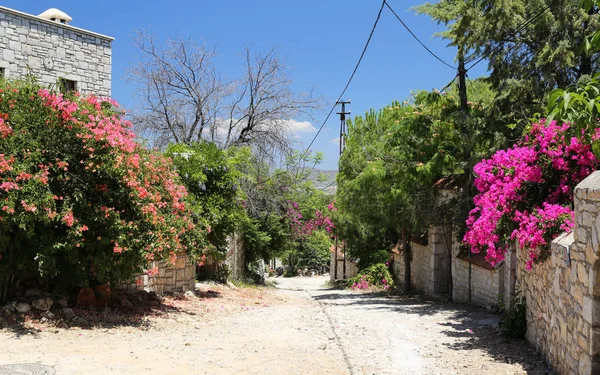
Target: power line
{"x": 510, "y": 34}
{"x": 350, "y": 79}
{"x": 304, "y": 153}
{"x": 328, "y": 185}
{"x": 416, "y": 38}
{"x": 514, "y": 33}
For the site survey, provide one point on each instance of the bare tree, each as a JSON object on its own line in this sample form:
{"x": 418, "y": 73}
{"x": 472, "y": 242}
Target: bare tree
{"x": 179, "y": 90}
{"x": 184, "y": 99}
{"x": 265, "y": 103}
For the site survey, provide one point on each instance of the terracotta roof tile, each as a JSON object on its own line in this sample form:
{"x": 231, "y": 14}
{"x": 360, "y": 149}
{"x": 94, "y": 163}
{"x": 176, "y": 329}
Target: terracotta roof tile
{"x": 478, "y": 260}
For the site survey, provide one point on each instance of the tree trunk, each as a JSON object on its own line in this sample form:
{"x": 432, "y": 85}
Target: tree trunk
{"x": 406, "y": 253}
{"x": 344, "y": 250}
{"x": 448, "y": 245}
{"x": 335, "y": 260}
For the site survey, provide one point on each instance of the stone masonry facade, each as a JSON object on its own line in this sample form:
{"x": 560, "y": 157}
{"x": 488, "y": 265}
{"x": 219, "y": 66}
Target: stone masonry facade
{"x": 51, "y": 51}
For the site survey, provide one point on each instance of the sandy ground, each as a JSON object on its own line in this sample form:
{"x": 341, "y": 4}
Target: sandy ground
{"x": 300, "y": 328}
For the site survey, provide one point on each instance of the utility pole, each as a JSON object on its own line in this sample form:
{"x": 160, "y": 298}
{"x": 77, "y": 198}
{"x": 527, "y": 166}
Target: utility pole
{"x": 464, "y": 107}
{"x": 342, "y": 123}
{"x": 342, "y": 114}
{"x": 462, "y": 81}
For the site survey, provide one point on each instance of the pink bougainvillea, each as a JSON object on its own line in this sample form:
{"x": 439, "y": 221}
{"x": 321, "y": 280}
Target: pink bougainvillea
{"x": 526, "y": 192}
{"x": 302, "y": 227}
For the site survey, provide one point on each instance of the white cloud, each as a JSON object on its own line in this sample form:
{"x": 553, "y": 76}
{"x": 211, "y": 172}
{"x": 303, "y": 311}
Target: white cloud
{"x": 335, "y": 141}
{"x": 300, "y": 126}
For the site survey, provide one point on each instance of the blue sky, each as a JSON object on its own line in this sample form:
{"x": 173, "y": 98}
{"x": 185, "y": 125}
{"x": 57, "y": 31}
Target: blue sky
{"x": 320, "y": 40}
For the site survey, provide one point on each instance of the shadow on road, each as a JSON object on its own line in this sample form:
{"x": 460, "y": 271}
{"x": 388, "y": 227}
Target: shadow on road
{"x": 476, "y": 328}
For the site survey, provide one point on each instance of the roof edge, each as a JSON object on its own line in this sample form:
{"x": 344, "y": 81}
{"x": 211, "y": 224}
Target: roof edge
{"x": 64, "y": 26}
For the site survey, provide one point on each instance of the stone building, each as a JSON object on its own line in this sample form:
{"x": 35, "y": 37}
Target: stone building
{"x": 54, "y": 52}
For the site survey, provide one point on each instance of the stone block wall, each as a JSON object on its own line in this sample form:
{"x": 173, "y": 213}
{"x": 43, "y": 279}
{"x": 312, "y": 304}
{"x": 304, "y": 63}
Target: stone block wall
{"x": 429, "y": 264}
{"x": 554, "y": 295}
{"x": 486, "y": 285}
{"x": 421, "y": 268}
{"x": 351, "y": 269}
{"x": 170, "y": 278}
{"x": 236, "y": 257}
{"x": 351, "y": 266}
{"x": 439, "y": 258}
{"x": 421, "y": 264}
{"x": 563, "y": 293}
{"x": 50, "y": 50}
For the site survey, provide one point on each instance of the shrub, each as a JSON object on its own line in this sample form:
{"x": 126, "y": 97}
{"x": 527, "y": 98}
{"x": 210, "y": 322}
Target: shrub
{"x": 223, "y": 273}
{"x": 514, "y": 320}
{"x": 82, "y": 202}
{"x": 377, "y": 275}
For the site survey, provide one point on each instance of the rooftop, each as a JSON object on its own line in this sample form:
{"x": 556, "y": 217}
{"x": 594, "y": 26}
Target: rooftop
{"x": 53, "y": 23}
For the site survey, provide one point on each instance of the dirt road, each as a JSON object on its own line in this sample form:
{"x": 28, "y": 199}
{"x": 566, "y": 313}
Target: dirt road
{"x": 300, "y": 328}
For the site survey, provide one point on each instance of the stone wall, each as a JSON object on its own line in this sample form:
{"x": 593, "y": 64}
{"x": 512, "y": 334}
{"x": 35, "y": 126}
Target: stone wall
{"x": 421, "y": 268}
{"x": 177, "y": 278}
{"x": 236, "y": 257}
{"x": 486, "y": 285}
{"x": 563, "y": 293}
{"x": 50, "y": 50}
{"x": 429, "y": 264}
{"x": 351, "y": 266}
{"x": 351, "y": 269}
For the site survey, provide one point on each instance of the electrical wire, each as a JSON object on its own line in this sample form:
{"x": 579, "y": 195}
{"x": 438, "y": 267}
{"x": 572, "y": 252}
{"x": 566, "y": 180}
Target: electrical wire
{"x": 513, "y": 34}
{"x": 510, "y": 34}
{"x": 416, "y": 38}
{"x": 350, "y": 79}
{"x": 328, "y": 185}
{"x": 449, "y": 83}
{"x": 362, "y": 55}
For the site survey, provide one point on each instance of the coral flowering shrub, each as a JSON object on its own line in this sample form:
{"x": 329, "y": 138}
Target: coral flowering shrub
{"x": 526, "y": 192}
{"x": 80, "y": 201}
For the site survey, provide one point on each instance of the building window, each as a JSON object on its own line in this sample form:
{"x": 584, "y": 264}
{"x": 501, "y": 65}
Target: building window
{"x": 67, "y": 85}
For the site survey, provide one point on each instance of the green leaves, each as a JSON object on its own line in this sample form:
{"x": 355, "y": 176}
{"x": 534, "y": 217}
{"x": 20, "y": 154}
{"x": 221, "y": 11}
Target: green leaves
{"x": 579, "y": 106}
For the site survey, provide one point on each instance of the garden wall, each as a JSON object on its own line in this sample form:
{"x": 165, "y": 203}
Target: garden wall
{"x": 563, "y": 293}
{"x": 429, "y": 264}
{"x": 177, "y": 278}
{"x": 236, "y": 257}
{"x": 351, "y": 267}
{"x": 487, "y": 282}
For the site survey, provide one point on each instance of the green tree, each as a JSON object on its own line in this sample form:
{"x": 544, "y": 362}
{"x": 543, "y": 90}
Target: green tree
{"x": 211, "y": 176}
{"x": 394, "y": 158}
{"x": 531, "y": 47}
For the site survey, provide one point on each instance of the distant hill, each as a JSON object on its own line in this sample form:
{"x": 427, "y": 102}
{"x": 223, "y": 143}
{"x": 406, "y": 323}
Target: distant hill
{"x": 329, "y": 184}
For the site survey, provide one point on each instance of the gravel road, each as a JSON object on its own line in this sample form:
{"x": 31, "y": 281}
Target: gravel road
{"x": 300, "y": 328}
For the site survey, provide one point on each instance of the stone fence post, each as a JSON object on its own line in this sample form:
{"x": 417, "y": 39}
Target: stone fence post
{"x": 587, "y": 252}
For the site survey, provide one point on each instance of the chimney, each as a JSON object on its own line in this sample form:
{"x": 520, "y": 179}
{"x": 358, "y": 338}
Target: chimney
{"x": 56, "y": 15}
